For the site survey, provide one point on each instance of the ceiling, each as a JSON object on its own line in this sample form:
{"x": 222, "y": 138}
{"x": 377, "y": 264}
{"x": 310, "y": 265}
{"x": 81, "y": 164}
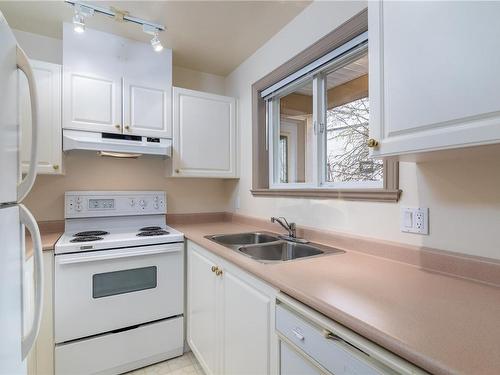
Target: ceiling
{"x": 210, "y": 36}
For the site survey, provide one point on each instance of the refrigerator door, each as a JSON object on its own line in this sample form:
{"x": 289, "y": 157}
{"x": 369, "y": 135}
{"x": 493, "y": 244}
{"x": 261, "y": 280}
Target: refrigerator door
{"x": 15, "y": 344}
{"x": 9, "y": 130}
{"x": 11, "y": 258}
{"x": 11, "y": 58}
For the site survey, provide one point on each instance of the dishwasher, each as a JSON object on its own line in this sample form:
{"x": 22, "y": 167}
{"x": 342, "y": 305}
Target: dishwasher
{"x": 311, "y": 344}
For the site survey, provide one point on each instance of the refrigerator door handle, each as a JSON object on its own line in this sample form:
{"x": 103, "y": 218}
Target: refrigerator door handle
{"x": 29, "y": 221}
{"x": 26, "y": 184}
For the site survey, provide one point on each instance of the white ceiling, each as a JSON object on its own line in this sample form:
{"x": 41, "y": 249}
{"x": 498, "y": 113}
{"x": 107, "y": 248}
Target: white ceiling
{"x": 210, "y": 36}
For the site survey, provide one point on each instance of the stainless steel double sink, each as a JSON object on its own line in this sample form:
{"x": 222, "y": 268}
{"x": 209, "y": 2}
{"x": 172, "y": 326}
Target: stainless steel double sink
{"x": 268, "y": 247}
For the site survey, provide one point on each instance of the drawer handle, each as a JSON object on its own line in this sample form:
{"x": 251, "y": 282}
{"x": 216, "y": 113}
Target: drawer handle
{"x": 297, "y": 334}
{"x": 330, "y": 335}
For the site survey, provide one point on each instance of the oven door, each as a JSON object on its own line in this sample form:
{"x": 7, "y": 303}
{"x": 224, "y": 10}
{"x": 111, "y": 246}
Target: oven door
{"x": 102, "y": 291}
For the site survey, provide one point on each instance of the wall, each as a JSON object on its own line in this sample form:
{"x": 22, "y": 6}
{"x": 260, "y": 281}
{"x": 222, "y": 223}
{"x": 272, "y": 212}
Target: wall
{"x": 88, "y": 171}
{"x": 463, "y": 195}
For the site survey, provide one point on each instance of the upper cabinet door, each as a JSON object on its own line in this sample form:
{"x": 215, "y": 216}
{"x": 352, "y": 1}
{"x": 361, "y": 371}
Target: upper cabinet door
{"x": 146, "y": 110}
{"x": 92, "y": 103}
{"x": 95, "y": 66}
{"x": 434, "y": 81}
{"x": 204, "y": 137}
{"x": 48, "y": 85}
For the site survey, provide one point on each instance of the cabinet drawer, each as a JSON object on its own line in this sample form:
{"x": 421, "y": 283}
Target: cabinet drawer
{"x": 334, "y": 355}
{"x": 116, "y": 353}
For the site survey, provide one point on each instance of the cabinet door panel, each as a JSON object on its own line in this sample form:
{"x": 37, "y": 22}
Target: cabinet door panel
{"x": 437, "y": 86}
{"x": 201, "y": 310}
{"x": 48, "y": 84}
{"x": 204, "y": 135}
{"x": 92, "y": 103}
{"x": 146, "y": 110}
{"x": 247, "y": 327}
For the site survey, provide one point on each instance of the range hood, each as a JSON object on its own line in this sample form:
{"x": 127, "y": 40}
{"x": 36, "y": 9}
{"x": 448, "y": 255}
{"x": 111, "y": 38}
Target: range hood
{"x": 116, "y": 143}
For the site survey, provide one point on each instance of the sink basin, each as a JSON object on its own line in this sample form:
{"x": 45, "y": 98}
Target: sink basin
{"x": 243, "y": 238}
{"x": 280, "y": 251}
{"x": 269, "y": 247}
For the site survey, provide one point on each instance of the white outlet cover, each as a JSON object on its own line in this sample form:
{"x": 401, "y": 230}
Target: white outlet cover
{"x": 414, "y": 220}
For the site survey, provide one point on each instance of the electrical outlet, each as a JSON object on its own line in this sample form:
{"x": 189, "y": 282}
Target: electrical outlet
{"x": 414, "y": 220}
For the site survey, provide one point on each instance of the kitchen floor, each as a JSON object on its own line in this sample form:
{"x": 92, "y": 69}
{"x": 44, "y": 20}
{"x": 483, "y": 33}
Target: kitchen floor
{"x": 186, "y": 364}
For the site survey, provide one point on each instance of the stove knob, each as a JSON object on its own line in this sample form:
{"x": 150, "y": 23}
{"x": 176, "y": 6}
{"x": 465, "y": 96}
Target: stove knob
{"x": 78, "y": 207}
{"x": 156, "y": 206}
{"x": 132, "y": 202}
{"x": 143, "y": 203}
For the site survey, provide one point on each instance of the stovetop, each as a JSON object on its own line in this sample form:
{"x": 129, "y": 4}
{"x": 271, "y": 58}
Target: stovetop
{"x": 110, "y": 233}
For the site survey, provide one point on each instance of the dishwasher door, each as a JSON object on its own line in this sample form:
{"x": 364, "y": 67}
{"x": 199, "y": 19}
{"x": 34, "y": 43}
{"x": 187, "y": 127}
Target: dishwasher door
{"x": 292, "y": 363}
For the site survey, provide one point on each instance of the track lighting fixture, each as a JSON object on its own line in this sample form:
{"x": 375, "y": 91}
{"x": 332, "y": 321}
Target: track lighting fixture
{"x": 86, "y": 10}
{"x": 81, "y": 12}
{"x": 155, "y": 42}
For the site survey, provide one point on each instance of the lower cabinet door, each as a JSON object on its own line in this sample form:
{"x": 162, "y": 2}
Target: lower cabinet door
{"x": 201, "y": 310}
{"x": 247, "y": 327}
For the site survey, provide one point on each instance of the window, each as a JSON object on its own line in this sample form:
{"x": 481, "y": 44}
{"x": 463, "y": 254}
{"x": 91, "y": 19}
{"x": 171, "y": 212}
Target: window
{"x": 311, "y": 124}
{"x": 318, "y": 127}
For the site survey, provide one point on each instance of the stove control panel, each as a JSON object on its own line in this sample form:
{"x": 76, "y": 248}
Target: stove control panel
{"x": 116, "y": 203}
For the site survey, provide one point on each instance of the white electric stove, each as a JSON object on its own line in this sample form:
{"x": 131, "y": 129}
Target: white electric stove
{"x": 118, "y": 283}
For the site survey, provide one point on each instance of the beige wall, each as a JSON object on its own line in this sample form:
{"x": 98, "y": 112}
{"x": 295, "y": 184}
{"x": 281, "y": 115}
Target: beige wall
{"x": 463, "y": 195}
{"x": 87, "y": 171}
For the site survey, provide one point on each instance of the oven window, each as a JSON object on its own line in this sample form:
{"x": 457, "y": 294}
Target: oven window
{"x": 126, "y": 281}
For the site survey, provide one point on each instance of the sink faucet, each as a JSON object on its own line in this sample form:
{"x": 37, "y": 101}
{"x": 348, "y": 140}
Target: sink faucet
{"x": 290, "y": 227}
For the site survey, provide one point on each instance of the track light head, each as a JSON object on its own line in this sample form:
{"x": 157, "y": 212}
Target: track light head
{"x": 78, "y": 23}
{"x": 81, "y": 12}
{"x": 156, "y": 43}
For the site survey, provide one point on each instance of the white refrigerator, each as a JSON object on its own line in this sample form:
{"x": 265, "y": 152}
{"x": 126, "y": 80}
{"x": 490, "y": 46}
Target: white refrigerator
{"x": 17, "y": 336}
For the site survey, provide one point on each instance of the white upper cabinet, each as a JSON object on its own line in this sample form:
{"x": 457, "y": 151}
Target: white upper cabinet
{"x": 92, "y": 103}
{"x": 48, "y": 85}
{"x": 115, "y": 85}
{"x": 204, "y": 135}
{"x": 146, "y": 110}
{"x": 434, "y": 81}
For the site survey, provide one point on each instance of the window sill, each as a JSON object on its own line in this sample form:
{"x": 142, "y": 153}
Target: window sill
{"x": 374, "y": 195}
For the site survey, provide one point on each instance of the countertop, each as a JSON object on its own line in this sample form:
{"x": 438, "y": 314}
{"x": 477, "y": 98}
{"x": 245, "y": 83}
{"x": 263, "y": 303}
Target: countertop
{"x": 444, "y": 324}
{"x": 49, "y": 239}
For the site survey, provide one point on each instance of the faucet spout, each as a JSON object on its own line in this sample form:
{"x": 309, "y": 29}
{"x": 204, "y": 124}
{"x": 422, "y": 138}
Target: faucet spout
{"x": 289, "y": 227}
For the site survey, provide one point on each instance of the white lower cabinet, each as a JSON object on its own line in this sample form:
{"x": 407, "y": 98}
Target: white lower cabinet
{"x": 230, "y": 317}
{"x": 48, "y": 87}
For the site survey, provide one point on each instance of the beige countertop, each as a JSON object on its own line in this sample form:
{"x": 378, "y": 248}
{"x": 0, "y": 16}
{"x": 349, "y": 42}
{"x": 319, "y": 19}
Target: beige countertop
{"x": 49, "y": 239}
{"x": 444, "y": 324}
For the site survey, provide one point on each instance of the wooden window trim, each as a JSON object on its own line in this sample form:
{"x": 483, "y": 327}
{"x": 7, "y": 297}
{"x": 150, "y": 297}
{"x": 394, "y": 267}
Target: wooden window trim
{"x": 390, "y": 192}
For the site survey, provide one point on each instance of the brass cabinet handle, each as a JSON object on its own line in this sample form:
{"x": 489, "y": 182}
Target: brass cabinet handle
{"x": 218, "y": 272}
{"x": 214, "y": 268}
{"x": 177, "y": 171}
{"x": 127, "y": 127}
{"x": 372, "y": 143}
{"x": 117, "y": 126}
{"x": 55, "y": 167}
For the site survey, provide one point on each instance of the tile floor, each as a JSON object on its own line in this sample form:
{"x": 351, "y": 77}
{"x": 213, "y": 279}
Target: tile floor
{"x": 183, "y": 365}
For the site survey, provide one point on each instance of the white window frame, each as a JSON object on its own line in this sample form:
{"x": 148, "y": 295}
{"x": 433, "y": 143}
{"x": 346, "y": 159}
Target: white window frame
{"x": 318, "y": 76}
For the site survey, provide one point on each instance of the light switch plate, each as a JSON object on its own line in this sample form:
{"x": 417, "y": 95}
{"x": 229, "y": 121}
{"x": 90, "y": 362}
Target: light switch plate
{"x": 414, "y": 220}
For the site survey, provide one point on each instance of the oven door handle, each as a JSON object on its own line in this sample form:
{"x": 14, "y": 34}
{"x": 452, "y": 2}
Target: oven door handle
{"x": 95, "y": 256}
